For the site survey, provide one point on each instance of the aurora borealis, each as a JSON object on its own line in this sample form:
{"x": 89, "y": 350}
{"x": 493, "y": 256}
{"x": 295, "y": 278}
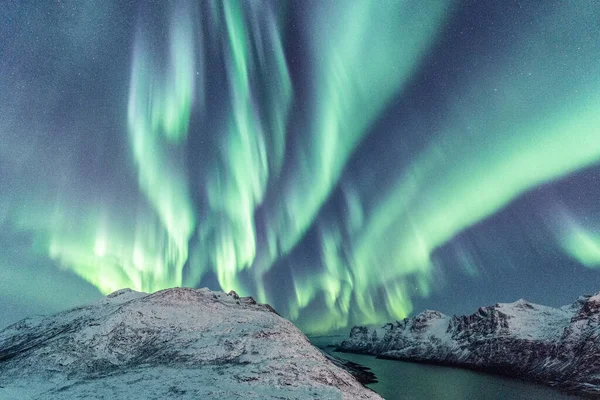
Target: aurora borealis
{"x": 345, "y": 161}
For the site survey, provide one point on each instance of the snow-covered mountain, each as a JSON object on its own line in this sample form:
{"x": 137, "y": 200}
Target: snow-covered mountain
{"x": 557, "y": 346}
{"x": 176, "y": 343}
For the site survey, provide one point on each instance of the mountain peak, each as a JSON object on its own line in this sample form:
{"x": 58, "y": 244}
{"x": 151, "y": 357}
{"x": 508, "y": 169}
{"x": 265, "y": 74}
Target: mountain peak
{"x": 195, "y": 343}
{"x": 555, "y": 345}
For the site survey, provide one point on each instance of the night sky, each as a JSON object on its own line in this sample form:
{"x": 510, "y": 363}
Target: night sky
{"x": 348, "y": 162}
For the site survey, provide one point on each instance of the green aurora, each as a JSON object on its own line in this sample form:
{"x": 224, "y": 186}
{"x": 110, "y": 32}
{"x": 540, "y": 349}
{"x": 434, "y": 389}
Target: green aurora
{"x": 314, "y": 155}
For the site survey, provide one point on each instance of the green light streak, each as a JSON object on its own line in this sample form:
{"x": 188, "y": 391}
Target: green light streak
{"x": 579, "y": 242}
{"x": 112, "y": 256}
{"x": 252, "y": 150}
{"x": 503, "y": 134}
{"x": 179, "y": 91}
{"x": 357, "y": 71}
{"x": 525, "y": 118}
{"x": 584, "y": 247}
{"x": 484, "y": 157}
{"x": 334, "y": 282}
{"x": 158, "y": 115}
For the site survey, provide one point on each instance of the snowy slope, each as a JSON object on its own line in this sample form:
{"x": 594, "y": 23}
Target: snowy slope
{"x": 176, "y": 343}
{"x": 558, "y": 346}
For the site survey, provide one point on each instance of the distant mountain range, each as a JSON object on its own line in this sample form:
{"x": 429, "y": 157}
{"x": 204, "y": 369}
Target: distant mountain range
{"x": 176, "y": 343}
{"x": 556, "y": 346}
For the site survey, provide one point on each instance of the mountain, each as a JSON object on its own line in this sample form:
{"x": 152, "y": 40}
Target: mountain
{"x": 176, "y": 343}
{"x": 556, "y": 346}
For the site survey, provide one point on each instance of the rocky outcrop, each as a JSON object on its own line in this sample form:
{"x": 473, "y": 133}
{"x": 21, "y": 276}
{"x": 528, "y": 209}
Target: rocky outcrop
{"x": 557, "y": 346}
{"x": 176, "y": 343}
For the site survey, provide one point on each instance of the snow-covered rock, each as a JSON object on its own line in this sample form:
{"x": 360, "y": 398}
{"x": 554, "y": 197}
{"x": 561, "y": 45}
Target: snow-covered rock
{"x": 558, "y": 346}
{"x": 176, "y": 343}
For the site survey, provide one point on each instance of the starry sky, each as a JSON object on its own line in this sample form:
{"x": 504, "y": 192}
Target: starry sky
{"x": 348, "y": 162}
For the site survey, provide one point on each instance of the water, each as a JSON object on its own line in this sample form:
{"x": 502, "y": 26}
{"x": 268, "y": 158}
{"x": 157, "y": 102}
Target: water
{"x": 403, "y": 380}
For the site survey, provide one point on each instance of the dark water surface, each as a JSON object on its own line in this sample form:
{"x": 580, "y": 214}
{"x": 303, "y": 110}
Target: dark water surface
{"x": 403, "y": 380}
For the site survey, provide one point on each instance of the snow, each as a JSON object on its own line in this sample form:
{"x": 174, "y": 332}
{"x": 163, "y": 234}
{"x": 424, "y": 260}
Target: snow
{"x": 595, "y": 298}
{"x": 439, "y": 328}
{"x": 184, "y": 343}
{"x": 558, "y": 346}
{"x": 534, "y": 321}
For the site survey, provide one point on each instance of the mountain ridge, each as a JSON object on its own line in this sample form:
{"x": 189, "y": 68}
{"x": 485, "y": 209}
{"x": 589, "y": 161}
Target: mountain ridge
{"x": 555, "y": 346}
{"x": 175, "y": 343}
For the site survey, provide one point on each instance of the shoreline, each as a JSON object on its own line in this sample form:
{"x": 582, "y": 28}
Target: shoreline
{"x": 574, "y": 390}
{"x": 362, "y": 373}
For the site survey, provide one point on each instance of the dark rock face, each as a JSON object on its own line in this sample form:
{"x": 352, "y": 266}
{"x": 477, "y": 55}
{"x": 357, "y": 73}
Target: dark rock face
{"x": 557, "y": 346}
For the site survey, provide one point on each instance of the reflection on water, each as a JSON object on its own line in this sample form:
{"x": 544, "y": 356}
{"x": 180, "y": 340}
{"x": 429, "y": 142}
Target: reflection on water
{"x": 402, "y": 380}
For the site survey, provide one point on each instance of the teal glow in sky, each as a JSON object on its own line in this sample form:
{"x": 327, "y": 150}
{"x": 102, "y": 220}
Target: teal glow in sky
{"x": 347, "y": 164}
